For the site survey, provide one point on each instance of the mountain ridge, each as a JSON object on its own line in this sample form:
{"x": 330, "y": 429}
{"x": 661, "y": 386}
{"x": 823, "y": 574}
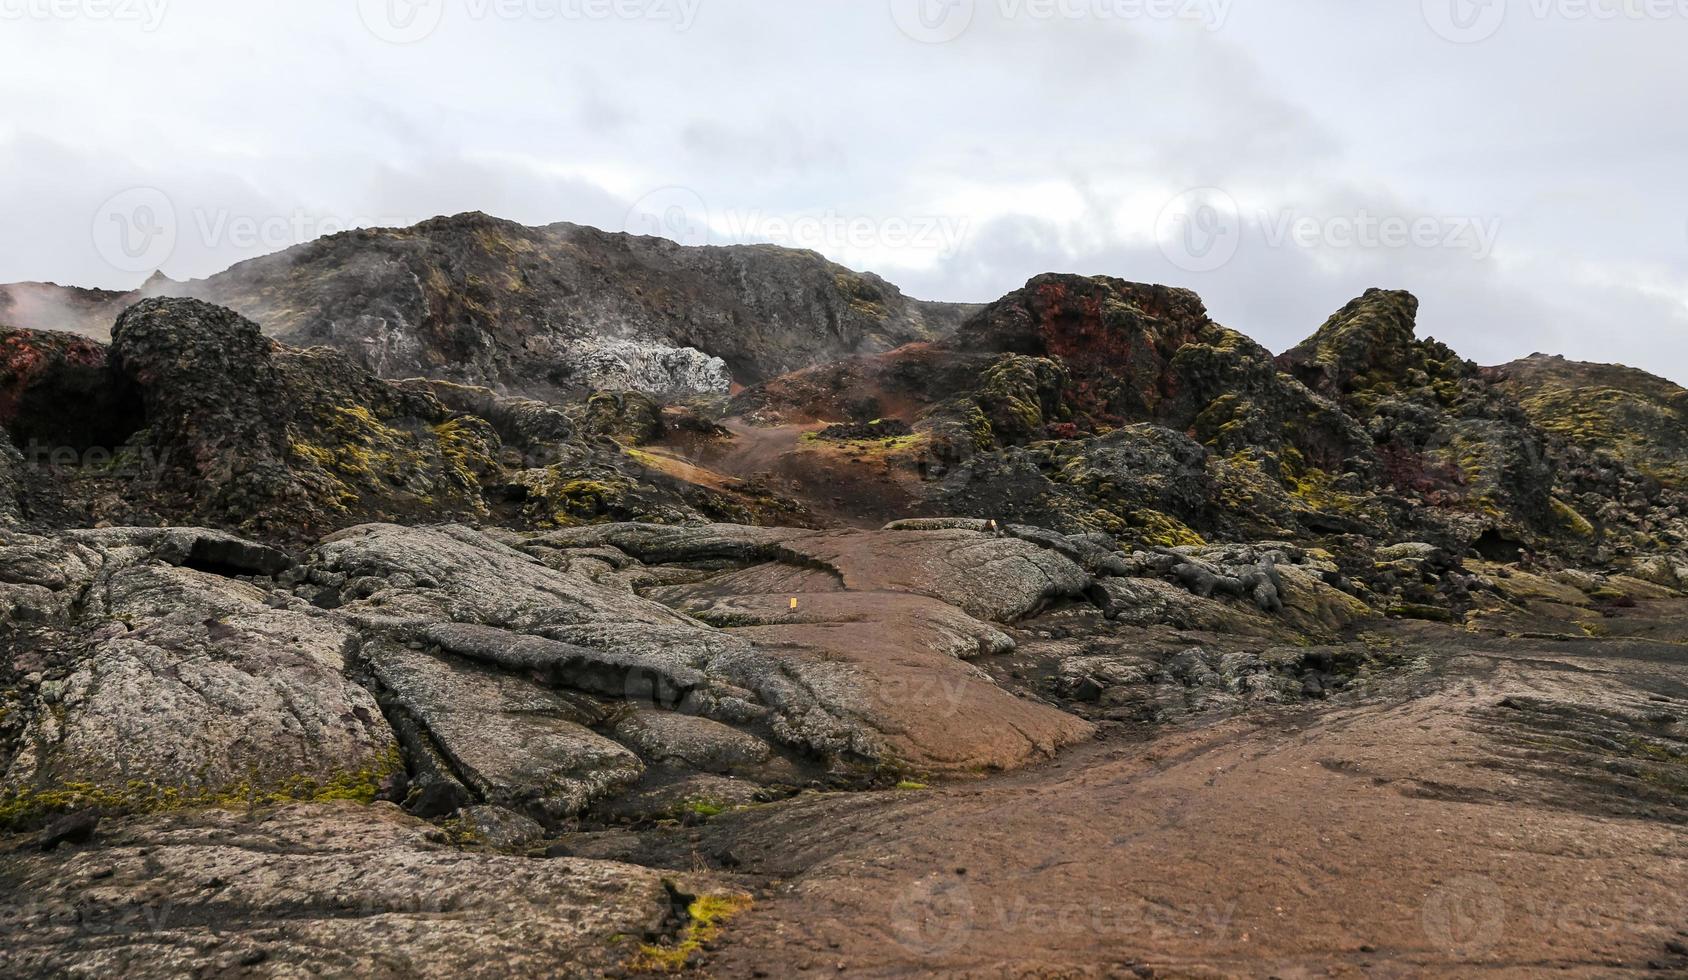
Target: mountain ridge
{"x": 538, "y": 309}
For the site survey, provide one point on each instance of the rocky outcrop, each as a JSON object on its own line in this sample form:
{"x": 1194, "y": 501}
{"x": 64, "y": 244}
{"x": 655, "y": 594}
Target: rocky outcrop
{"x": 172, "y": 686}
{"x": 320, "y": 889}
{"x": 445, "y": 670}
{"x": 60, "y": 398}
{"x": 541, "y": 311}
{"x": 1097, "y": 405}
{"x": 1605, "y": 410}
{"x": 1138, "y": 353}
{"x": 509, "y": 742}
{"x": 196, "y": 417}
{"x": 11, "y": 482}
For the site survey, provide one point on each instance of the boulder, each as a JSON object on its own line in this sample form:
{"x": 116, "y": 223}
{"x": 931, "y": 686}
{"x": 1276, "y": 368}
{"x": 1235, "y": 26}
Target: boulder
{"x": 185, "y": 687}
{"x": 512, "y": 742}
{"x": 306, "y": 889}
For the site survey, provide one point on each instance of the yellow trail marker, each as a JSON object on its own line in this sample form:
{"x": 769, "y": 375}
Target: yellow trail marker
{"x": 794, "y": 603}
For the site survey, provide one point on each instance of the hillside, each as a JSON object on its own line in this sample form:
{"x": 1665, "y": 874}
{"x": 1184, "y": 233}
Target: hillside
{"x": 551, "y": 310}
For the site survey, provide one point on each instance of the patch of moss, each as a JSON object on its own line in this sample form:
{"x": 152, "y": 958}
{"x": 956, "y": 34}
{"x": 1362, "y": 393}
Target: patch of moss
{"x": 557, "y": 497}
{"x": 468, "y": 445}
{"x": 27, "y": 806}
{"x": 1570, "y": 520}
{"x": 1163, "y": 530}
{"x": 704, "y": 808}
{"x": 351, "y": 455}
{"x": 706, "y": 916}
{"x": 910, "y": 785}
{"x": 1434, "y": 614}
{"x": 861, "y": 295}
{"x": 1017, "y": 396}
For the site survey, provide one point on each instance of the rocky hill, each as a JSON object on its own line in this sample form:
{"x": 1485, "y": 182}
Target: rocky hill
{"x": 550, "y": 310}
{"x": 327, "y": 659}
{"x": 1605, "y": 409}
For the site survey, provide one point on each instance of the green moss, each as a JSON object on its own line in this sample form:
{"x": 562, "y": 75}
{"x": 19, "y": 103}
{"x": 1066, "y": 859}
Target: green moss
{"x": 25, "y": 806}
{"x": 705, "y": 808}
{"x": 1570, "y": 520}
{"x": 1016, "y": 395}
{"x": 468, "y": 444}
{"x": 1434, "y": 614}
{"x": 909, "y": 785}
{"x": 1163, "y": 530}
{"x": 1225, "y": 421}
{"x": 560, "y": 498}
{"x": 861, "y": 295}
{"x": 349, "y": 455}
{"x": 706, "y": 916}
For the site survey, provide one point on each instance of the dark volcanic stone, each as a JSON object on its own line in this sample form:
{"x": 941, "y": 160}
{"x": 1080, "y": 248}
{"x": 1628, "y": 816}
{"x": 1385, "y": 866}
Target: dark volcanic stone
{"x": 72, "y": 828}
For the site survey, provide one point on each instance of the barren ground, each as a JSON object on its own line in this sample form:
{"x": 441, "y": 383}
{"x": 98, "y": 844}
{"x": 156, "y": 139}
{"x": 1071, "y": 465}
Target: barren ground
{"x": 1487, "y": 815}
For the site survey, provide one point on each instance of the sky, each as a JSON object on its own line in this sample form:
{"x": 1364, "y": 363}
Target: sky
{"x": 1518, "y": 164}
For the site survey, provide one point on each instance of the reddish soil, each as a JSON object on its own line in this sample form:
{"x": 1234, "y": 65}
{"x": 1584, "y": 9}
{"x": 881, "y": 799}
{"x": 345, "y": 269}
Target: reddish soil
{"x": 1481, "y": 816}
{"x": 860, "y": 484}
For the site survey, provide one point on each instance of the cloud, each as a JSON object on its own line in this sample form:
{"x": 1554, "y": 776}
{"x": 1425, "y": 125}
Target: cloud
{"x": 1037, "y": 141}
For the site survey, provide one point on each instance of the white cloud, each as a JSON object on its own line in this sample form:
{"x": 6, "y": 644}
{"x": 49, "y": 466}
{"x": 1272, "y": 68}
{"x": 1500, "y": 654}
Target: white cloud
{"x": 1054, "y": 141}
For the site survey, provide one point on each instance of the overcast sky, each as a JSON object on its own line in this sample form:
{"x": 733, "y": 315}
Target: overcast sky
{"x": 1519, "y": 164}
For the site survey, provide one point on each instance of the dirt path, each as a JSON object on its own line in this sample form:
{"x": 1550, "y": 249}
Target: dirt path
{"x": 862, "y": 488}
{"x": 1488, "y": 817}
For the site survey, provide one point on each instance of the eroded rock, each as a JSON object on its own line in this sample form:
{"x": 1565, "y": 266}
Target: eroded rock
{"x": 513, "y": 743}
{"x": 316, "y": 889}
